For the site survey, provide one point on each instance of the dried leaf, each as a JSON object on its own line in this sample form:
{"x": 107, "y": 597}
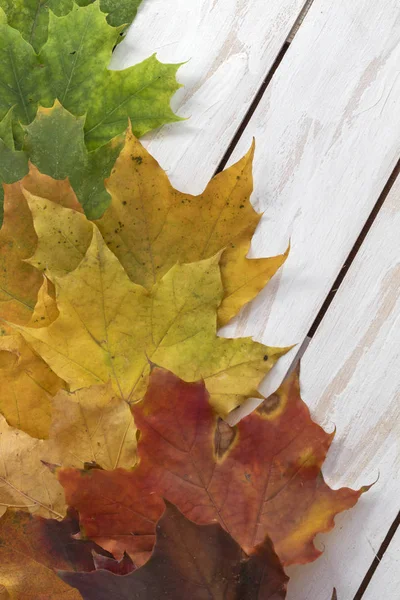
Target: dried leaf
{"x": 92, "y": 425}
{"x": 26, "y": 387}
{"x": 25, "y": 482}
{"x": 118, "y": 567}
{"x": 20, "y": 283}
{"x": 32, "y": 548}
{"x": 266, "y": 479}
{"x": 190, "y": 561}
{"x": 32, "y": 19}
{"x": 150, "y": 226}
{"x": 115, "y": 327}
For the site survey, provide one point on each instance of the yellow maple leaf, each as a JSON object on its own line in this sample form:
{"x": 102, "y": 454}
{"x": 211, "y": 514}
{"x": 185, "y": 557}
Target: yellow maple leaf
{"x": 244, "y": 278}
{"x": 26, "y": 483}
{"x": 109, "y": 328}
{"x": 27, "y": 383}
{"x": 19, "y": 281}
{"x": 26, "y": 387}
{"x": 92, "y": 425}
{"x": 62, "y": 243}
{"x": 150, "y": 225}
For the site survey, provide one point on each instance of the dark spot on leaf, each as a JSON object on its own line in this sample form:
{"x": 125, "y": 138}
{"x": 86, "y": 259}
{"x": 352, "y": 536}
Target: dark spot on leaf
{"x": 223, "y": 438}
{"x": 265, "y": 357}
{"x": 269, "y": 405}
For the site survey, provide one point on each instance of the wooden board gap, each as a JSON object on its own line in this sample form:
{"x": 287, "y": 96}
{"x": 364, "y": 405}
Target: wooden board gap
{"x": 379, "y": 555}
{"x": 364, "y": 232}
{"x": 252, "y": 109}
{"x": 299, "y": 21}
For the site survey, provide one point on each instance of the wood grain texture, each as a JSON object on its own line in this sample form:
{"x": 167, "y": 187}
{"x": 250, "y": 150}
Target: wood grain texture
{"x": 328, "y": 133}
{"x": 350, "y": 379}
{"x": 230, "y": 46}
{"x": 385, "y": 582}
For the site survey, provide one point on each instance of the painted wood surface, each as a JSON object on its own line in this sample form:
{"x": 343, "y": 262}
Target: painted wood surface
{"x": 350, "y": 379}
{"x": 328, "y": 134}
{"x": 385, "y": 582}
{"x": 230, "y": 46}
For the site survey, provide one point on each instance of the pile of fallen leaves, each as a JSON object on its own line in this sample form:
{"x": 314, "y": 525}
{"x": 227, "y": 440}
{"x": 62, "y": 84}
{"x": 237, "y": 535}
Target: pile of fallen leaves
{"x": 120, "y": 477}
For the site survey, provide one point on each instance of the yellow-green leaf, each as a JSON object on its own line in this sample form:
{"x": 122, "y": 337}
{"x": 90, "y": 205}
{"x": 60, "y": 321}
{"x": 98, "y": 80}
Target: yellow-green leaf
{"x": 110, "y": 328}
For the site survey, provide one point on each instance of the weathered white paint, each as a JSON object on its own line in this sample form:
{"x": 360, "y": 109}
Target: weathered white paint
{"x": 230, "y": 46}
{"x": 385, "y": 582}
{"x": 328, "y": 137}
{"x": 350, "y": 378}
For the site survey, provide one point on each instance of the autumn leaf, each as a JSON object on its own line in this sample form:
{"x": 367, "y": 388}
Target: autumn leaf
{"x": 32, "y": 18}
{"x": 118, "y": 567}
{"x": 26, "y": 387}
{"x": 190, "y": 561}
{"x": 31, "y": 550}
{"x": 150, "y": 226}
{"x": 20, "y": 283}
{"x": 262, "y": 477}
{"x": 40, "y": 184}
{"x": 244, "y": 278}
{"x": 89, "y": 426}
{"x": 72, "y": 66}
{"x": 25, "y": 482}
{"x": 114, "y": 327}
{"x": 64, "y": 236}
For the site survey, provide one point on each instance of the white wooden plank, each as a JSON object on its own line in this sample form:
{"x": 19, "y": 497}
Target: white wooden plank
{"x": 230, "y": 46}
{"x": 350, "y": 378}
{"x": 385, "y": 582}
{"x": 328, "y": 134}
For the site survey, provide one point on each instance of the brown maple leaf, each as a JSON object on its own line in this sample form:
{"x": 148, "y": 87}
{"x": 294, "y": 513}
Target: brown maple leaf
{"x": 190, "y": 561}
{"x": 33, "y": 547}
{"x": 262, "y": 477}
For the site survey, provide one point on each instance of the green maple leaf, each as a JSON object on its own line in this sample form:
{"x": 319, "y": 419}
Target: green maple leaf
{"x": 31, "y": 17}
{"x": 55, "y": 144}
{"x": 72, "y": 67}
{"x": 13, "y": 164}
